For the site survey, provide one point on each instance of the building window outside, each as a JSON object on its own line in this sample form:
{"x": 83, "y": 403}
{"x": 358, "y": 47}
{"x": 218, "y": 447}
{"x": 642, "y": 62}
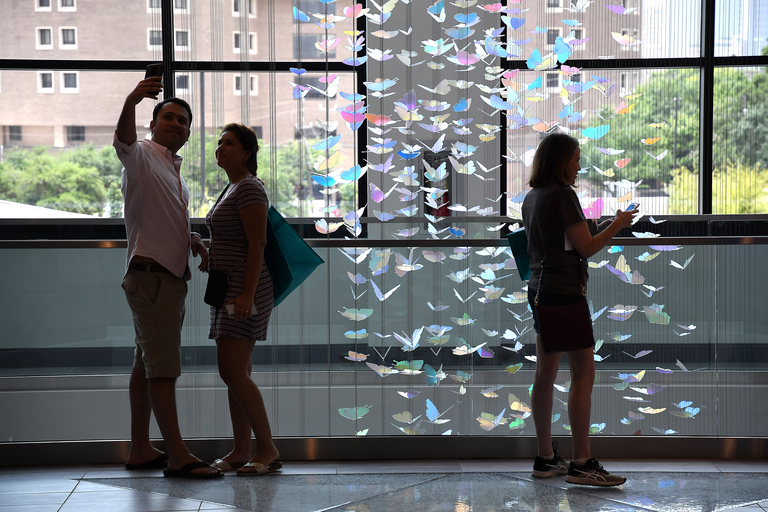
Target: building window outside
{"x": 67, "y": 5}
{"x": 43, "y": 5}
{"x": 251, "y": 42}
{"x": 182, "y": 40}
{"x": 308, "y": 5}
{"x": 553, "y": 80}
{"x": 578, "y": 34}
{"x": 237, "y": 7}
{"x": 182, "y": 82}
{"x": 180, "y": 5}
{"x": 75, "y": 133}
{"x": 44, "y": 38}
{"x": 155, "y": 38}
{"x": 45, "y": 81}
{"x": 14, "y": 133}
{"x": 70, "y": 82}
{"x": 153, "y": 5}
{"x": 238, "y": 85}
{"x": 68, "y": 38}
{"x": 304, "y": 46}
{"x": 633, "y": 33}
{"x": 552, "y": 35}
{"x": 254, "y": 85}
{"x": 553, "y": 4}
{"x": 236, "y": 42}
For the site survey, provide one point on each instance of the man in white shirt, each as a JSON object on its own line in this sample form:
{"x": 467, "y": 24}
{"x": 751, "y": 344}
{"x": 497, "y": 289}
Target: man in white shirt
{"x": 157, "y": 271}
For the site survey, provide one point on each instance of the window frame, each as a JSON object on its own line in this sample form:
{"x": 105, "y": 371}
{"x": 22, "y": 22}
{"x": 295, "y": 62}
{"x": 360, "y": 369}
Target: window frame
{"x": 38, "y": 44}
{"x": 67, "y": 46}
{"x": 80, "y": 136}
{"x": 40, "y": 88}
{"x": 176, "y": 33}
{"x": 252, "y": 43}
{"x": 186, "y": 76}
{"x": 63, "y": 82}
{"x": 150, "y": 32}
{"x": 553, "y": 33}
{"x": 39, "y": 8}
{"x": 181, "y": 10}
{"x": 237, "y": 84}
{"x": 253, "y": 84}
{"x": 67, "y": 8}
{"x": 13, "y": 136}
{"x": 237, "y": 43}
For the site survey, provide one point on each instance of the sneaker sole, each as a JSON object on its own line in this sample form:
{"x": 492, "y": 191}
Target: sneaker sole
{"x": 548, "y": 474}
{"x": 591, "y": 481}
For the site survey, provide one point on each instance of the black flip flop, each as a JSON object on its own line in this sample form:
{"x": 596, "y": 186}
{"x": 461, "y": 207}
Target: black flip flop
{"x": 186, "y": 471}
{"x": 158, "y": 462}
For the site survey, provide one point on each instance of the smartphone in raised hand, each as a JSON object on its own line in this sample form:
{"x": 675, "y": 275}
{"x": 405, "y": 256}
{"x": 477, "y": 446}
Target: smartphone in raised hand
{"x": 154, "y": 70}
{"x": 632, "y": 206}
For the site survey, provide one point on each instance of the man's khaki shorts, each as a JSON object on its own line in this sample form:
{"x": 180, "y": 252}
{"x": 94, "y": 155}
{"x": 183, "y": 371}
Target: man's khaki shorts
{"x": 157, "y": 304}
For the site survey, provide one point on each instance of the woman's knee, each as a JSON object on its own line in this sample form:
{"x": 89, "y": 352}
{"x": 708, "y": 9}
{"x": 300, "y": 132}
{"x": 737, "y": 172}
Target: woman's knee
{"x": 231, "y": 372}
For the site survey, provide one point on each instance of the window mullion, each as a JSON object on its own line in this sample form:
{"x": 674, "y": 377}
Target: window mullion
{"x": 706, "y": 110}
{"x": 169, "y": 55}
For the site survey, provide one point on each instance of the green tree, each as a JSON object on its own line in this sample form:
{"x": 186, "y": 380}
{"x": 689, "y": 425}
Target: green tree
{"x": 665, "y": 107}
{"x": 109, "y": 167}
{"x": 283, "y": 169}
{"x": 40, "y": 178}
{"x": 736, "y": 188}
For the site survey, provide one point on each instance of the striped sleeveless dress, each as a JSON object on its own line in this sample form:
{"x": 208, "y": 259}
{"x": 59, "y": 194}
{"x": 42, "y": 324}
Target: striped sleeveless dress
{"x": 229, "y": 250}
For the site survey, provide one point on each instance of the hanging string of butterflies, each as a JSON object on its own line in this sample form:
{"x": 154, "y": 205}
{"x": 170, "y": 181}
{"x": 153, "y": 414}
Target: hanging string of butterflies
{"x": 466, "y": 61}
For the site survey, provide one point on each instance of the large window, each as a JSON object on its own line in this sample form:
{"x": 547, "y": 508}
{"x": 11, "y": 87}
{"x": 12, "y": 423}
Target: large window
{"x": 402, "y": 138}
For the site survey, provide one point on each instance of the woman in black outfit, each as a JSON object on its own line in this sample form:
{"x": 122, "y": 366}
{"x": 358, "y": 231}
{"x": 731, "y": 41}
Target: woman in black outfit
{"x": 556, "y": 227}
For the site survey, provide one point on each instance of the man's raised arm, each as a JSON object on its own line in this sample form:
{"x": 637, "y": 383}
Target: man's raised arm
{"x": 126, "y": 125}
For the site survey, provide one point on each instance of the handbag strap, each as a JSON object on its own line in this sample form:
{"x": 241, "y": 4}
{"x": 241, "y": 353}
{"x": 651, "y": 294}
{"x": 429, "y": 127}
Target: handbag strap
{"x": 210, "y": 228}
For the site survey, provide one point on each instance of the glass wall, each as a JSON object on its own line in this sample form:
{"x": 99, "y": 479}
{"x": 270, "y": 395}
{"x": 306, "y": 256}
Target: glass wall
{"x": 681, "y": 346}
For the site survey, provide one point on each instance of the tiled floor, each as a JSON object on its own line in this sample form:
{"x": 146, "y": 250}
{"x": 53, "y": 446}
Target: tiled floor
{"x": 392, "y": 486}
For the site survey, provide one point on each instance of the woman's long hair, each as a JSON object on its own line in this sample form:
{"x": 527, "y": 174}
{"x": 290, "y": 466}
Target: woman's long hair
{"x": 250, "y": 142}
{"x": 551, "y": 157}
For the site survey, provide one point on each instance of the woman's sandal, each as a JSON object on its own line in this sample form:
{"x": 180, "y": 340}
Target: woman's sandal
{"x": 186, "y": 471}
{"x": 258, "y": 469}
{"x": 227, "y": 466}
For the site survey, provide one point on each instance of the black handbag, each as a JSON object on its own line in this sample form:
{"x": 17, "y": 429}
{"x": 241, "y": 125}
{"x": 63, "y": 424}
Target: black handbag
{"x": 567, "y": 326}
{"x": 216, "y": 289}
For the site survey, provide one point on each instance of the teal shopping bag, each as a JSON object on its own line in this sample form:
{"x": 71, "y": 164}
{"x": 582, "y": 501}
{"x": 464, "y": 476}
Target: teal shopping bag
{"x": 289, "y": 259}
{"x": 518, "y": 241}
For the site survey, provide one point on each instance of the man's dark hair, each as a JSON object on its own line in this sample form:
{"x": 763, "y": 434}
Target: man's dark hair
{"x": 178, "y": 101}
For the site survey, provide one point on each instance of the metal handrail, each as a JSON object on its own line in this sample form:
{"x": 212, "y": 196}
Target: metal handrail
{"x": 420, "y": 242}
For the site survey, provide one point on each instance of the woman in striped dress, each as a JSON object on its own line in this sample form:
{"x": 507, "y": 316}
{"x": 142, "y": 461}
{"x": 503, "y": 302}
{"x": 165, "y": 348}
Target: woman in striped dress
{"x": 238, "y": 227}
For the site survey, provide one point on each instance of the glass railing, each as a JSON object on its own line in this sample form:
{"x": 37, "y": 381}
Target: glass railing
{"x": 440, "y": 342}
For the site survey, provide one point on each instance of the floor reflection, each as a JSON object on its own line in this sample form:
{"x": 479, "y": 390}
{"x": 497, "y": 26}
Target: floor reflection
{"x": 463, "y": 492}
